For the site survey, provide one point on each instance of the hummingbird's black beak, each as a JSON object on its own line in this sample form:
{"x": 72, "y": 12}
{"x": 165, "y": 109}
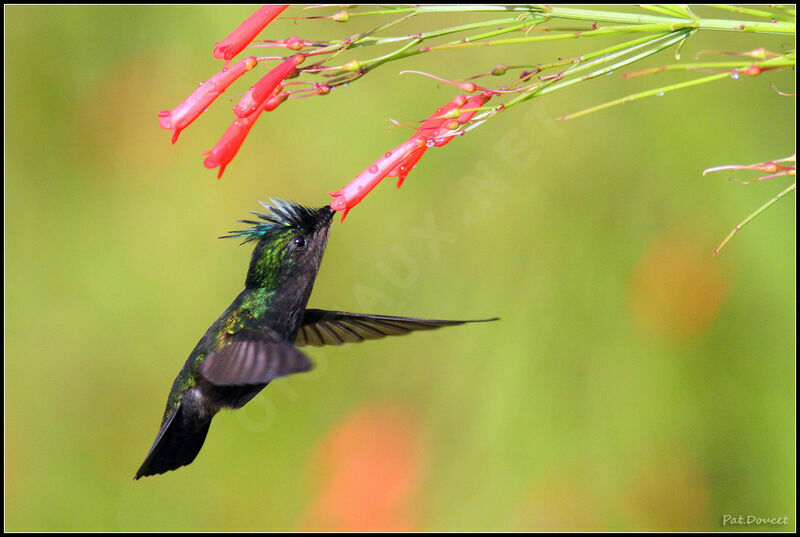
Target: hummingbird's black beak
{"x": 328, "y": 215}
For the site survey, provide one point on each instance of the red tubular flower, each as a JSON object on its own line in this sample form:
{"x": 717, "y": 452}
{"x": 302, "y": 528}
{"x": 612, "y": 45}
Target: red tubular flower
{"x": 357, "y": 189}
{"x": 265, "y": 87}
{"x": 428, "y": 129}
{"x": 401, "y": 160}
{"x": 435, "y": 127}
{"x": 246, "y": 32}
{"x": 227, "y": 147}
{"x": 182, "y": 115}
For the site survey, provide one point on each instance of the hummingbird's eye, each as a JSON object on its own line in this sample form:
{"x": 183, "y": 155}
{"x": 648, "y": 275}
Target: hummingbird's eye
{"x": 300, "y": 242}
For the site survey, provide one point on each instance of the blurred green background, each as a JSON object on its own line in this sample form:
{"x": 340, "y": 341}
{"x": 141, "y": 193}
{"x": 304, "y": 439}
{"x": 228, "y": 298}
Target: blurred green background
{"x": 633, "y": 382}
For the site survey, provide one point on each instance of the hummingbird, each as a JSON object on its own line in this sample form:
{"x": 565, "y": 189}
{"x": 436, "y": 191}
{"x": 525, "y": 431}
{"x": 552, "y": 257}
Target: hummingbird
{"x": 256, "y": 339}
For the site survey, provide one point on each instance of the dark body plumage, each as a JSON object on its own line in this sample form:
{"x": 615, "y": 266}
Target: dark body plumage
{"x": 255, "y": 340}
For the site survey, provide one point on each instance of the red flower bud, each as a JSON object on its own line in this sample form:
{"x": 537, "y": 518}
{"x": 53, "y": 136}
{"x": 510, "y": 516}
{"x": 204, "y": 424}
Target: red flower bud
{"x": 430, "y": 125}
{"x": 265, "y": 87}
{"x": 182, "y": 115}
{"x": 474, "y": 102}
{"x": 352, "y": 65}
{"x": 246, "y": 32}
{"x": 357, "y": 189}
{"x": 275, "y": 101}
{"x": 754, "y": 70}
{"x": 295, "y": 43}
{"x": 341, "y": 16}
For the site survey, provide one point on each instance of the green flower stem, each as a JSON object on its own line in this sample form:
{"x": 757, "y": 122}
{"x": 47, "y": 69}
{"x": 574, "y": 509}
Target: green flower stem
{"x": 753, "y": 12}
{"x": 648, "y": 93}
{"x": 375, "y": 62}
{"x": 787, "y": 61}
{"x": 780, "y": 62}
{"x": 602, "y": 57}
{"x": 608, "y": 30}
{"x": 511, "y": 28}
{"x": 641, "y": 23}
{"x": 681, "y": 10}
{"x": 700, "y": 24}
{"x": 757, "y": 212}
{"x": 466, "y": 8}
{"x": 663, "y": 10}
{"x": 786, "y": 9}
{"x": 683, "y": 15}
{"x": 614, "y": 30}
{"x": 435, "y": 33}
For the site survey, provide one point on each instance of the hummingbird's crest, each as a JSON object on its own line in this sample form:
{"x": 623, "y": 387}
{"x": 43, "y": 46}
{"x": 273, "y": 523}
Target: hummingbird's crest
{"x": 282, "y": 216}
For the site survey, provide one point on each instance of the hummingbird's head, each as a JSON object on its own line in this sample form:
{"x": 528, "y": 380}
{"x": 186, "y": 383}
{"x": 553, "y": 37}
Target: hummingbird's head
{"x": 291, "y": 240}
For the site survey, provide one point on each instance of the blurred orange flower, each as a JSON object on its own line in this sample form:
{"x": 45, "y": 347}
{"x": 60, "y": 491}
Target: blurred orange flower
{"x": 676, "y": 289}
{"x": 372, "y": 467}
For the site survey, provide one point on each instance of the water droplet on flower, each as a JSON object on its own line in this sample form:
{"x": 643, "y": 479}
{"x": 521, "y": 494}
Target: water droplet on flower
{"x": 429, "y": 143}
{"x": 735, "y": 76}
{"x": 373, "y": 169}
{"x": 387, "y": 155}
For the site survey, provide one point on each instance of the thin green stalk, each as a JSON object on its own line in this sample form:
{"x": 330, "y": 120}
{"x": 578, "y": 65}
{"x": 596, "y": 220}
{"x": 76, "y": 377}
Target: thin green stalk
{"x": 659, "y": 9}
{"x": 700, "y": 23}
{"x": 786, "y": 9}
{"x": 608, "y": 30}
{"x": 757, "y": 212}
{"x": 648, "y": 93}
{"x": 500, "y": 31}
{"x": 780, "y": 62}
{"x": 680, "y": 10}
{"x": 436, "y": 33}
{"x": 753, "y": 12}
{"x": 604, "y": 58}
{"x": 787, "y": 62}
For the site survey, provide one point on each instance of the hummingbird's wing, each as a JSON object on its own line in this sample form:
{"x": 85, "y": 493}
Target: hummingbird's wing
{"x": 253, "y": 357}
{"x": 320, "y": 327}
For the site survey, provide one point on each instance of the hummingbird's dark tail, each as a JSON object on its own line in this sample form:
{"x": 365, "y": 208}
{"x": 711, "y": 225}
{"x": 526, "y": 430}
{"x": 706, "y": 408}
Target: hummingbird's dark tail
{"x": 177, "y": 444}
